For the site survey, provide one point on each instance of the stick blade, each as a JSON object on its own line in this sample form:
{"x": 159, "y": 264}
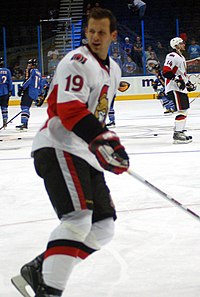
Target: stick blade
{"x": 22, "y": 286}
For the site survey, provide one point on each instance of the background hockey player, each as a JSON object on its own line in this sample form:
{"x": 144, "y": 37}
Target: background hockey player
{"x": 70, "y": 152}
{"x": 45, "y": 88}
{"x": 176, "y": 87}
{"x": 5, "y": 90}
{"x": 30, "y": 90}
{"x": 111, "y": 115}
{"x": 159, "y": 86}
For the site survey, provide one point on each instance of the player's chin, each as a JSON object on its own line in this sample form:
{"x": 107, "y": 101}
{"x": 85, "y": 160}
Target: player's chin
{"x": 96, "y": 48}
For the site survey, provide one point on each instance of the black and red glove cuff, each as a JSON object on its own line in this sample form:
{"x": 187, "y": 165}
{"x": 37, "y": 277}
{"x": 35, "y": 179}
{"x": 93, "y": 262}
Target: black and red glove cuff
{"x": 88, "y": 128}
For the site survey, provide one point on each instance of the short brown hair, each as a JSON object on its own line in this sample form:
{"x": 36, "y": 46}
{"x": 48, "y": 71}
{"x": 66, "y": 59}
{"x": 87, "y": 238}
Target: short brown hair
{"x": 99, "y": 13}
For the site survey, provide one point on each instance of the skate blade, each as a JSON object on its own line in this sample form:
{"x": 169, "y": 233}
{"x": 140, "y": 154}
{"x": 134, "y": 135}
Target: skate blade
{"x": 22, "y": 130}
{"x": 22, "y": 286}
{"x": 182, "y": 142}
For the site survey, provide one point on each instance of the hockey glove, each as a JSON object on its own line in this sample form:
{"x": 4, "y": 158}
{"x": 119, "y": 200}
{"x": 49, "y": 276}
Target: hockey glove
{"x": 190, "y": 86}
{"x": 109, "y": 152}
{"x": 154, "y": 85}
{"x": 180, "y": 82}
{"x": 20, "y": 91}
{"x": 39, "y": 101}
{"x": 160, "y": 95}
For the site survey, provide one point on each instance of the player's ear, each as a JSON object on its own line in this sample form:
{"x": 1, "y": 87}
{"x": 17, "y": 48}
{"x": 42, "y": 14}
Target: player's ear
{"x": 114, "y": 35}
{"x": 86, "y": 31}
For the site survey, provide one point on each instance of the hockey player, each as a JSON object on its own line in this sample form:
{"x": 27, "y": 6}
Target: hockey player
{"x": 45, "y": 88}
{"x": 159, "y": 86}
{"x": 5, "y": 90}
{"x": 176, "y": 87}
{"x": 70, "y": 152}
{"x": 30, "y": 90}
{"x": 111, "y": 115}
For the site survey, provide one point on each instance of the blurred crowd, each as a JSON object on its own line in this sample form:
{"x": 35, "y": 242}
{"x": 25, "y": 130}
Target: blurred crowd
{"x": 133, "y": 60}
{"x": 127, "y": 51}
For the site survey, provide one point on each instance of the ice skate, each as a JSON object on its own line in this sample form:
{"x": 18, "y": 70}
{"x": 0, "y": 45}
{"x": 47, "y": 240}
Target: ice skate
{"x": 45, "y": 291}
{"x": 180, "y": 137}
{"x": 31, "y": 272}
{"x": 22, "y": 127}
{"x": 168, "y": 111}
{"x": 4, "y": 123}
{"x": 30, "y": 282}
{"x": 30, "y": 276}
{"x": 111, "y": 124}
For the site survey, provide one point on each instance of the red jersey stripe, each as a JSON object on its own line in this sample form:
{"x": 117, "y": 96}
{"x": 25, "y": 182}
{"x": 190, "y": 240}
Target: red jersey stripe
{"x": 71, "y": 113}
{"x": 76, "y": 180}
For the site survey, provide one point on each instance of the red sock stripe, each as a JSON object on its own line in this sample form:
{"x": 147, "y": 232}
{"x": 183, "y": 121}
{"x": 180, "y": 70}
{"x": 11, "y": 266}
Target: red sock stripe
{"x": 180, "y": 117}
{"x": 62, "y": 250}
{"x": 118, "y": 147}
{"x": 83, "y": 255}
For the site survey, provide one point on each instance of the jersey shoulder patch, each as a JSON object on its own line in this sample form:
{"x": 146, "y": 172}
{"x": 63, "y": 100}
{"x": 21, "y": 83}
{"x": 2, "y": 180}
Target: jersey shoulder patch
{"x": 172, "y": 55}
{"x": 79, "y": 58}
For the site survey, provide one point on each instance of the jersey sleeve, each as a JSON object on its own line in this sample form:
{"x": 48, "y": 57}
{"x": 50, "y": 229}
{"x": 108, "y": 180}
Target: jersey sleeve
{"x": 170, "y": 68}
{"x": 9, "y": 81}
{"x": 28, "y": 81}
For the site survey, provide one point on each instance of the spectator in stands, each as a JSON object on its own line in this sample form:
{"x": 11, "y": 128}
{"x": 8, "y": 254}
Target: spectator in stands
{"x": 127, "y": 47}
{"x": 184, "y": 37}
{"x": 129, "y": 67}
{"x": 150, "y": 58}
{"x": 161, "y": 52}
{"x": 150, "y": 54}
{"x": 193, "y": 49}
{"x": 51, "y": 52}
{"x": 17, "y": 72}
{"x": 87, "y": 12}
{"x": 53, "y": 61}
{"x": 138, "y": 6}
{"x": 117, "y": 58}
{"x": 137, "y": 52}
{"x": 115, "y": 47}
{"x": 97, "y": 4}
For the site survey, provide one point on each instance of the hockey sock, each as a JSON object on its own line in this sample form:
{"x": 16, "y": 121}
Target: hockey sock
{"x": 180, "y": 121}
{"x": 63, "y": 248}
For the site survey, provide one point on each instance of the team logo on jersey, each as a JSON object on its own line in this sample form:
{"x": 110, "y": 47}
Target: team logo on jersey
{"x": 80, "y": 58}
{"x": 102, "y": 107}
{"x": 123, "y": 86}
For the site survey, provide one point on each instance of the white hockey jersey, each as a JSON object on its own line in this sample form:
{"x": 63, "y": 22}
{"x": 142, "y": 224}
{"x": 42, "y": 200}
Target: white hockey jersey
{"x": 175, "y": 63}
{"x": 81, "y": 85}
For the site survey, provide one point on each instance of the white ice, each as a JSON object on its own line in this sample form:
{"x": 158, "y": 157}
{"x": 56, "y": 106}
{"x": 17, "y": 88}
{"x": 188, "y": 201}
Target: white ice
{"x": 156, "y": 248}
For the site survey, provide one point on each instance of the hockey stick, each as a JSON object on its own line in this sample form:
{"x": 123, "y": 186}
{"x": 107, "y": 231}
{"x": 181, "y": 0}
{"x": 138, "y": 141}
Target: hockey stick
{"x": 11, "y": 120}
{"x": 194, "y": 98}
{"x": 192, "y": 60}
{"x": 163, "y": 194}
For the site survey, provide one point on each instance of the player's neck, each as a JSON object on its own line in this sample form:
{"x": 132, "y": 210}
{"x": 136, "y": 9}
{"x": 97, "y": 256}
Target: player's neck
{"x": 179, "y": 52}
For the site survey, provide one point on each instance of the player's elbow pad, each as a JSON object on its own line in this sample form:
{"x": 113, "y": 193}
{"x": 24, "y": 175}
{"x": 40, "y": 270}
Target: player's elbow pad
{"x": 169, "y": 75}
{"x": 88, "y": 128}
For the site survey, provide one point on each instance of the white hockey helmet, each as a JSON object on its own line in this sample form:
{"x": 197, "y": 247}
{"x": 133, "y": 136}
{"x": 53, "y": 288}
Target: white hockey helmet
{"x": 175, "y": 41}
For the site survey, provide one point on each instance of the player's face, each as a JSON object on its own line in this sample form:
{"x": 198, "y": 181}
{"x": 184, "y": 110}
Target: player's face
{"x": 99, "y": 36}
{"x": 181, "y": 46}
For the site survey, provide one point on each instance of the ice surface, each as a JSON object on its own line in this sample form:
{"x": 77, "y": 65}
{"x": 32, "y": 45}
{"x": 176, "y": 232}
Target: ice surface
{"x": 156, "y": 248}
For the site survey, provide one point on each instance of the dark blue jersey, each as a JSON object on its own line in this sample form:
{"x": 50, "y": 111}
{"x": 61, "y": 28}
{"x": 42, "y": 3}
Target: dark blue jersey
{"x": 5, "y": 81}
{"x": 34, "y": 84}
{"x": 160, "y": 80}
